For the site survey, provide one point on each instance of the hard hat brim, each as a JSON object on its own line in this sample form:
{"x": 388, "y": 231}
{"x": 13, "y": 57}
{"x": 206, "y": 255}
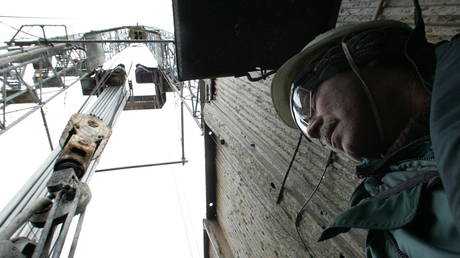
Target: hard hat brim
{"x": 291, "y": 69}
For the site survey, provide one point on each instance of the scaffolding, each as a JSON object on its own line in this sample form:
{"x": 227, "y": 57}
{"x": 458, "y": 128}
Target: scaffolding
{"x": 37, "y": 220}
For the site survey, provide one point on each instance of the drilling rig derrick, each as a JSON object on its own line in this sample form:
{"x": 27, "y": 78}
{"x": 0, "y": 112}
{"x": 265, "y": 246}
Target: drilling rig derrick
{"x": 36, "y": 221}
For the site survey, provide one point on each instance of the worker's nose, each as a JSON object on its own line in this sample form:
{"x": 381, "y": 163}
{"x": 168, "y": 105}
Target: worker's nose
{"x": 313, "y": 129}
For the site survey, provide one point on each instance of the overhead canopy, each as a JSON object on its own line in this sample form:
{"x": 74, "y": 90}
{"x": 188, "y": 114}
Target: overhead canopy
{"x": 221, "y": 38}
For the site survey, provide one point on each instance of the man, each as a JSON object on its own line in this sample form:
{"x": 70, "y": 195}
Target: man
{"x": 366, "y": 90}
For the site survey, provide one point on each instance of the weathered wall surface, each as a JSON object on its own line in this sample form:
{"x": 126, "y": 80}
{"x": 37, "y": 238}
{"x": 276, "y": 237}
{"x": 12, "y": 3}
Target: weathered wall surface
{"x": 258, "y": 148}
{"x": 442, "y": 18}
{"x": 250, "y": 168}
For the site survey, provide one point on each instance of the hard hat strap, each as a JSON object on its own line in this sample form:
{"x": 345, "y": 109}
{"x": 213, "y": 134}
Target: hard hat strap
{"x": 354, "y": 68}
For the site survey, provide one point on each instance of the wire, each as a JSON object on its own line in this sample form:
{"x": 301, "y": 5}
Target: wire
{"x": 372, "y": 102}
{"x": 189, "y": 215}
{"x": 16, "y": 29}
{"x": 280, "y": 194}
{"x": 30, "y": 17}
{"x": 182, "y": 213}
{"x": 299, "y": 214}
{"x": 263, "y": 76}
{"x": 17, "y": 110}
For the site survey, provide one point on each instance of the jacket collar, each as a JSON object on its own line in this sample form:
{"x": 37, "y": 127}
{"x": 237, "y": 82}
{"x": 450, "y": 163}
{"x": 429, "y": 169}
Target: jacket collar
{"x": 413, "y": 150}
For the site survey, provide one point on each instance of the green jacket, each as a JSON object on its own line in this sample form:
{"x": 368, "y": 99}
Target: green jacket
{"x": 411, "y": 203}
{"x": 405, "y": 209}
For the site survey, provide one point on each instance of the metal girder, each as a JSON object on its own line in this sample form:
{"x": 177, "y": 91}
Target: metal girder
{"x": 112, "y": 41}
{"x": 162, "y": 46}
{"x": 18, "y": 87}
{"x": 27, "y": 72}
{"x": 57, "y": 41}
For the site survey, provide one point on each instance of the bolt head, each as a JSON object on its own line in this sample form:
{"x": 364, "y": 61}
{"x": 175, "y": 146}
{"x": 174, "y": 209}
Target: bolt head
{"x": 93, "y": 123}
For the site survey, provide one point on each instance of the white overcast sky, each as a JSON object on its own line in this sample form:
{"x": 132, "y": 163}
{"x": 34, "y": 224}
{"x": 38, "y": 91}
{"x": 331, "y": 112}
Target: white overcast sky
{"x": 149, "y": 212}
{"x": 85, "y": 15}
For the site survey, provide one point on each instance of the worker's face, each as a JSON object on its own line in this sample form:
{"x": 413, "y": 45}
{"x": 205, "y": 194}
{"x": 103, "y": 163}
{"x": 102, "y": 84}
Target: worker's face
{"x": 342, "y": 118}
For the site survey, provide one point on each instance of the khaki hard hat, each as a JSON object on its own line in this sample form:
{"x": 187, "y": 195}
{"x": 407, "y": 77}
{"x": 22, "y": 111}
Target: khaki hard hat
{"x": 291, "y": 69}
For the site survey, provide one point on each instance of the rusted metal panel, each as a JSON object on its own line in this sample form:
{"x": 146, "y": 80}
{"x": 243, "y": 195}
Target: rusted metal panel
{"x": 218, "y": 242}
{"x": 250, "y": 167}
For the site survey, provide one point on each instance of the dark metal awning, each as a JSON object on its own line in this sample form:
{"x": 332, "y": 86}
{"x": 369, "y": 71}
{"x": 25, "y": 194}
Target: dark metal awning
{"x": 220, "y": 38}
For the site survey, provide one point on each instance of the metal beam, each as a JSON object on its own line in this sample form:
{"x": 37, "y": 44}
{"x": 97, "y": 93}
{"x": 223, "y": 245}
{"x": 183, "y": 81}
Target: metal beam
{"x": 142, "y": 166}
{"x": 174, "y": 87}
{"x": 156, "y": 31}
{"x": 76, "y": 236}
{"x": 41, "y": 105}
{"x": 9, "y": 68}
{"x": 25, "y": 55}
{"x": 57, "y": 41}
{"x": 9, "y": 98}
{"x": 4, "y": 101}
{"x": 46, "y": 128}
{"x": 182, "y": 125}
{"x": 217, "y": 238}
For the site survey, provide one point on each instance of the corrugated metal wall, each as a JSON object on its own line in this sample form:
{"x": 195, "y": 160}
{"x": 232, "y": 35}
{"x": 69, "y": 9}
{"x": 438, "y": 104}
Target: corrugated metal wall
{"x": 257, "y": 149}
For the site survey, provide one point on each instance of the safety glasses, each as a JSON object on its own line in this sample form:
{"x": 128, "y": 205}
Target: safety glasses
{"x": 301, "y": 107}
{"x": 302, "y": 97}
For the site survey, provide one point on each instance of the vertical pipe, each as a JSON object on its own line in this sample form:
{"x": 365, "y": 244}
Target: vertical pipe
{"x": 109, "y": 105}
{"x": 40, "y": 83}
{"x": 38, "y": 252}
{"x": 4, "y": 99}
{"x": 46, "y": 128}
{"x": 38, "y": 189}
{"x": 182, "y": 123}
{"x": 197, "y": 98}
{"x": 43, "y": 29}
{"x": 30, "y": 185}
{"x": 76, "y": 235}
{"x": 66, "y": 226}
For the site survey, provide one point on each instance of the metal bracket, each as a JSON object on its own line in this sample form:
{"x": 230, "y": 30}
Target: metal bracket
{"x": 82, "y": 140}
{"x": 65, "y": 205}
{"x": 15, "y": 249}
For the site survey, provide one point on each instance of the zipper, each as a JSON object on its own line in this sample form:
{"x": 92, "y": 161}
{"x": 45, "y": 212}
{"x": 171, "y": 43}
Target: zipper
{"x": 415, "y": 159}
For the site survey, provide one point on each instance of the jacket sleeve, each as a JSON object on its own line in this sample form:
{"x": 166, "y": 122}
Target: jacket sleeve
{"x": 445, "y": 121}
